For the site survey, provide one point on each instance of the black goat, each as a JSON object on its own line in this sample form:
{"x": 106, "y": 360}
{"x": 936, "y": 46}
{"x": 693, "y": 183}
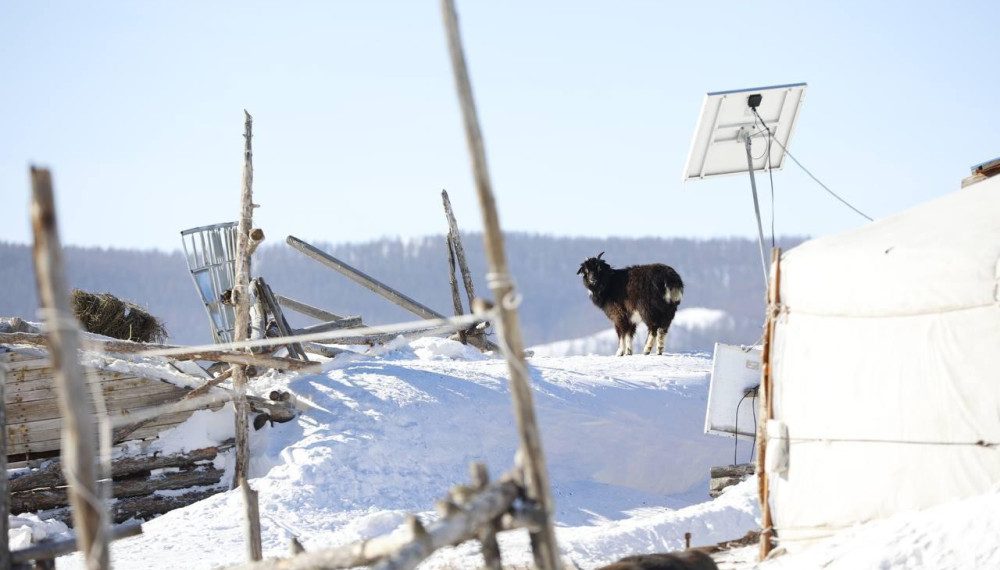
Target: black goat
{"x": 641, "y": 293}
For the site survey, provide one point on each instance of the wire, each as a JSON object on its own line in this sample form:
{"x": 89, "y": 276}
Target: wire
{"x": 817, "y": 180}
{"x": 736, "y": 427}
{"x": 770, "y": 172}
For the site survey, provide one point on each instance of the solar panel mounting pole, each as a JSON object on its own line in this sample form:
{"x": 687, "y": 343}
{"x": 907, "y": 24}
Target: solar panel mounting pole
{"x": 745, "y": 135}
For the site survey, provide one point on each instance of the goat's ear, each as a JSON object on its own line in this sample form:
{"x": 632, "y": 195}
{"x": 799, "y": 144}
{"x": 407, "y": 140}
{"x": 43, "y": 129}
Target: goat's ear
{"x": 599, "y": 255}
{"x": 579, "y": 271}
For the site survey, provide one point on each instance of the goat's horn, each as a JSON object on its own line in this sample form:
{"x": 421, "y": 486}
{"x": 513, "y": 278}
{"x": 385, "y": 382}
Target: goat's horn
{"x": 599, "y": 255}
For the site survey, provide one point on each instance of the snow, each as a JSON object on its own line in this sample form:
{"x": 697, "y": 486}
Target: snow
{"x": 387, "y": 435}
{"x": 383, "y": 436}
{"x": 689, "y": 328}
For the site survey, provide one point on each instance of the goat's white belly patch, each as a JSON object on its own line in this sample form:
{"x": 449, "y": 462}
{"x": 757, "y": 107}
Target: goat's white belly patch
{"x": 636, "y": 319}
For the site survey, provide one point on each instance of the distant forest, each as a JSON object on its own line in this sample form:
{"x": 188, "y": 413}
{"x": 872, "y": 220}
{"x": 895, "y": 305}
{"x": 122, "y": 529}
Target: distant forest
{"x": 718, "y": 273}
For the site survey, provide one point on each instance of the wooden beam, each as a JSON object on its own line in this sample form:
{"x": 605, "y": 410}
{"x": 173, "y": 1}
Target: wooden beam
{"x": 4, "y": 487}
{"x": 543, "y": 542}
{"x": 129, "y": 347}
{"x": 366, "y": 281}
{"x": 79, "y": 449}
{"x": 254, "y": 551}
{"x": 48, "y": 498}
{"x": 264, "y": 290}
{"x": 456, "y": 240}
{"x": 50, "y": 474}
{"x": 766, "y": 399}
{"x": 308, "y": 310}
{"x": 241, "y": 296}
{"x": 456, "y": 299}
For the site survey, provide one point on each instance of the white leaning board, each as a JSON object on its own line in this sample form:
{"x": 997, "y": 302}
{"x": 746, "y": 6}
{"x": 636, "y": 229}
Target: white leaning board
{"x": 734, "y": 370}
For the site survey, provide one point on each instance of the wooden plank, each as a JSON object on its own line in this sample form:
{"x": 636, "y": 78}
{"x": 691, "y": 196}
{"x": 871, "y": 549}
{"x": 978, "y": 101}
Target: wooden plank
{"x": 364, "y": 280}
{"x": 456, "y": 241}
{"x": 543, "y": 540}
{"x": 4, "y": 487}
{"x": 264, "y": 290}
{"x": 307, "y": 310}
{"x": 116, "y": 402}
{"x": 80, "y": 434}
{"x": 456, "y": 299}
{"x": 129, "y": 347}
{"x": 14, "y": 353}
{"x": 17, "y": 389}
{"x": 21, "y": 440}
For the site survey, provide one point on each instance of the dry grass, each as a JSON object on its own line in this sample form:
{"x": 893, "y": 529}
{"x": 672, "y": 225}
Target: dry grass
{"x": 105, "y": 314}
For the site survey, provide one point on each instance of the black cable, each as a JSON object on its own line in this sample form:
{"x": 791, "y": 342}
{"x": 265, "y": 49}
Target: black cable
{"x": 817, "y": 180}
{"x": 736, "y": 428}
{"x": 770, "y": 174}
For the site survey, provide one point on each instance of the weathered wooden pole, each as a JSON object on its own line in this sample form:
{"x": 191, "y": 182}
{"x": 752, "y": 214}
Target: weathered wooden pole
{"x": 255, "y": 552}
{"x": 543, "y": 540}
{"x": 456, "y": 240}
{"x": 456, "y": 299}
{"x": 79, "y": 432}
{"x": 4, "y": 493}
{"x": 766, "y": 402}
{"x": 241, "y": 292}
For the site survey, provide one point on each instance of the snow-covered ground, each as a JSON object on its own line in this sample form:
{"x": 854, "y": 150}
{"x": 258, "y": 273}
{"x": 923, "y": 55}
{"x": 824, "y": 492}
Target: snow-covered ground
{"x": 386, "y": 435}
{"x": 692, "y": 327}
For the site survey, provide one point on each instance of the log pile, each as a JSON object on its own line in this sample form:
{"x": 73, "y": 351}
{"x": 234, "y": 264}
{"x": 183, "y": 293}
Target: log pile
{"x": 135, "y": 482}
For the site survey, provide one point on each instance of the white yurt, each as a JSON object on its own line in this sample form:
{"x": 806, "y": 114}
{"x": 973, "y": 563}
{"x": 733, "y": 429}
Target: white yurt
{"x": 885, "y": 368}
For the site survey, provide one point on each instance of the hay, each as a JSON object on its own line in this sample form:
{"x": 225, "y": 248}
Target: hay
{"x": 105, "y": 314}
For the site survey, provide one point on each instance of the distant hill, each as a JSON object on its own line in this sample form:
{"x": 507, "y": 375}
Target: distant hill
{"x": 721, "y": 274}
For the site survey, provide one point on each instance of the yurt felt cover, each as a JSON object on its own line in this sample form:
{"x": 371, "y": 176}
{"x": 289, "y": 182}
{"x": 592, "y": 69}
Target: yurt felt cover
{"x": 886, "y": 366}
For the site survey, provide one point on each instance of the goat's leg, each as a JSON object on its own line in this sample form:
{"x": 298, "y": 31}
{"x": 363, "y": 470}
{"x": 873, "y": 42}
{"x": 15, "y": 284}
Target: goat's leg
{"x": 661, "y": 340}
{"x": 621, "y": 340}
{"x": 629, "y": 333}
{"x": 650, "y": 339}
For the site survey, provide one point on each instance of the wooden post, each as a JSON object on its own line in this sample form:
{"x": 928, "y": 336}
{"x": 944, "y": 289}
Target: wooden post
{"x": 295, "y": 349}
{"x": 766, "y": 402}
{"x": 4, "y": 493}
{"x": 543, "y": 541}
{"x": 255, "y": 551}
{"x": 241, "y": 297}
{"x": 241, "y": 291}
{"x": 456, "y": 299}
{"x": 456, "y": 241}
{"x": 79, "y": 433}
{"x": 375, "y": 286}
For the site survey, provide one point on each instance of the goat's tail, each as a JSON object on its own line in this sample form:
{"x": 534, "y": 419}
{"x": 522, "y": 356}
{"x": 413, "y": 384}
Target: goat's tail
{"x": 674, "y": 294}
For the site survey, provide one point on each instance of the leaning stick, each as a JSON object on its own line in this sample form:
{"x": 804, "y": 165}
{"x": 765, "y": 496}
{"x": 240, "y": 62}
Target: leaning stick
{"x": 456, "y": 239}
{"x": 456, "y": 299}
{"x": 544, "y": 541}
{"x": 79, "y": 433}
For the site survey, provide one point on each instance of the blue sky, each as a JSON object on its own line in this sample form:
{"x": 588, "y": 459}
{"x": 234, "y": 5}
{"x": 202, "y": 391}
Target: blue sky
{"x": 587, "y": 109}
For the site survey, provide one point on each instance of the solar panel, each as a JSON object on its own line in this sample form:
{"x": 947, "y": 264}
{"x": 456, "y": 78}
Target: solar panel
{"x": 718, "y": 145}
